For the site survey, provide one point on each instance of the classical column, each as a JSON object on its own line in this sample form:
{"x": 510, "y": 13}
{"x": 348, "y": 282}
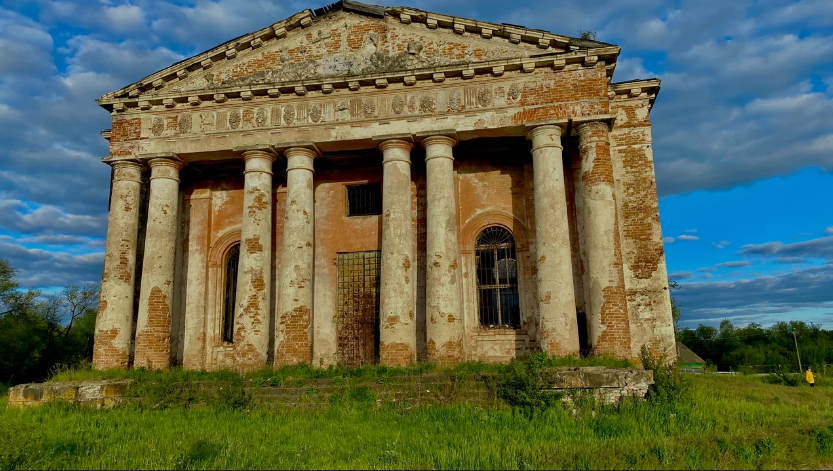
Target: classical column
{"x": 443, "y": 304}
{"x": 397, "y": 326}
{"x": 252, "y": 313}
{"x": 198, "y": 207}
{"x": 558, "y": 326}
{"x": 293, "y": 328}
{"x": 114, "y": 322}
{"x": 153, "y": 328}
{"x": 607, "y": 312}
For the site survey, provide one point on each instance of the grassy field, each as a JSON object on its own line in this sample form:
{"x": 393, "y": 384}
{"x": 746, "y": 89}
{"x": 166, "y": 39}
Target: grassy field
{"x": 729, "y": 422}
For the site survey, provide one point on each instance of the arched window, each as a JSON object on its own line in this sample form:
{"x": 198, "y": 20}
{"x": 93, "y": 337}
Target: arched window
{"x": 497, "y": 279}
{"x": 232, "y": 261}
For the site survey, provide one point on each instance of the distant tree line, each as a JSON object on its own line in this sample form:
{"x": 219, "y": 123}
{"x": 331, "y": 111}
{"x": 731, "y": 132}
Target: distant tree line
{"x": 755, "y": 348}
{"x": 758, "y": 349}
{"x": 41, "y": 332}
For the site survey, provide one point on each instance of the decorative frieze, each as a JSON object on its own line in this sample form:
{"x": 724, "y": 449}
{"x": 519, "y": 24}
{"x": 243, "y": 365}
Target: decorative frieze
{"x": 423, "y": 102}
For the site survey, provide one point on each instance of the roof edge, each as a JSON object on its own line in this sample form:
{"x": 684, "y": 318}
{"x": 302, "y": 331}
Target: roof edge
{"x": 305, "y": 18}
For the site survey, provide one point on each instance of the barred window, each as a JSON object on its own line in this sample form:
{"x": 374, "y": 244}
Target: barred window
{"x": 497, "y": 279}
{"x": 232, "y": 262}
{"x": 364, "y": 200}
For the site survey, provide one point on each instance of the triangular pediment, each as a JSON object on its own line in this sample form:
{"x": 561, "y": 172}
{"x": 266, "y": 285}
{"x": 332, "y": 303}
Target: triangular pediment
{"x": 349, "y": 39}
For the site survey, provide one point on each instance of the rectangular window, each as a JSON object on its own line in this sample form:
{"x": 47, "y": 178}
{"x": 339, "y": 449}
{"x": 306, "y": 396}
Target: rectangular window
{"x": 364, "y": 200}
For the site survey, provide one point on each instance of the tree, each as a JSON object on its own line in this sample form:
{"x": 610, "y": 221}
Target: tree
{"x": 40, "y": 331}
{"x": 676, "y": 314}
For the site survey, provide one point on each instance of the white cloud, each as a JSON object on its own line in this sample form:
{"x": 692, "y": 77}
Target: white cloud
{"x": 687, "y": 237}
{"x": 829, "y": 230}
{"x": 668, "y": 240}
{"x": 720, "y": 245}
{"x": 124, "y": 17}
{"x": 18, "y": 217}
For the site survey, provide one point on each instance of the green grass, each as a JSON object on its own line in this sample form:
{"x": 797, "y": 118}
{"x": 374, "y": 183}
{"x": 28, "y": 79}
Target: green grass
{"x": 730, "y": 422}
{"x": 281, "y": 375}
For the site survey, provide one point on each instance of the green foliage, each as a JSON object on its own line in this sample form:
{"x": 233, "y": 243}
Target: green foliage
{"x": 587, "y": 34}
{"x": 40, "y": 333}
{"x": 670, "y": 386}
{"x": 780, "y": 377}
{"x": 522, "y": 383}
{"x": 824, "y": 440}
{"x": 755, "y": 349}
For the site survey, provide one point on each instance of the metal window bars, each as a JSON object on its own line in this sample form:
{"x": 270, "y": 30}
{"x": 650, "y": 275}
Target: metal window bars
{"x": 232, "y": 262}
{"x": 364, "y": 200}
{"x": 357, "y": 317}
{"x": 497, "y": 279}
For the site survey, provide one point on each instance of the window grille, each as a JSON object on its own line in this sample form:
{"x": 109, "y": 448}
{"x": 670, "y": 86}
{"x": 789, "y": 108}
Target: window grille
{"x": 497, "y": 279}
{"x": 357, "y": 317}
{"x": 232, "y": 262}
{"x": 364, "y": 200}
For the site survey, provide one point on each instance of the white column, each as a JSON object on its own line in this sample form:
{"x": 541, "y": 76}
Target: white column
{"x": 293, "y": 328}
{"x": 114, "y": 322}
{"x": 153, "y": 328}
{"x": 558, "y": 328}
{"x": 397, "y": 324}
{"x": 443, "y": 311}
{"x": 252, "y": 313}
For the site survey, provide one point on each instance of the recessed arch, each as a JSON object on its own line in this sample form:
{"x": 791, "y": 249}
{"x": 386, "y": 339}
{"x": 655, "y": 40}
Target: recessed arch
{"x": 496, "y": 275}
{"x": 484, "y": 219}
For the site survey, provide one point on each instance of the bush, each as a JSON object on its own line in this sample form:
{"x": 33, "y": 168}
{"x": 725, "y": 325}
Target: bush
{"x": 780, "y": 377}
{"x": 521, "y": 384}
{"x": 670, "y": 386}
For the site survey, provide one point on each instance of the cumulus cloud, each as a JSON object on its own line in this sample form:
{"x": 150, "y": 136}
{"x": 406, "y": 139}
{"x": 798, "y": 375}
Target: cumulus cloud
{"x": 734, "y": 264}
{"x": 42, "y": 268}
{"x": 680, "y": 275}
{"x": 687, "y": 237}
{"x": 814, "y": 248}
{"x": 16, "y": 216}
{"x": 760, "y": 298}
{"x": 829, "y": 230}
{"x": 668, "y": 240}
{"x": 720, "y": 245}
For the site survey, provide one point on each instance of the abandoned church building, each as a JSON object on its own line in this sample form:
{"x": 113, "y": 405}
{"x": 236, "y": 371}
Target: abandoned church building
{"x": 360, "y": 184}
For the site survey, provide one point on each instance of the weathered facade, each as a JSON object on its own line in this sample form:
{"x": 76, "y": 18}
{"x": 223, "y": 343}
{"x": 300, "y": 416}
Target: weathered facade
{"x": 362, "y": 184}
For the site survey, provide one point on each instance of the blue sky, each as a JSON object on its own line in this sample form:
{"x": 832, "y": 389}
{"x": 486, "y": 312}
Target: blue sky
{"x": 743, "y": 142}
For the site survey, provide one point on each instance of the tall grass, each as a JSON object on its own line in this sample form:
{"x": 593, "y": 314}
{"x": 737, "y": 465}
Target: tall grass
{"x": 727, "y": 422}
{"x": 280, "y": 376}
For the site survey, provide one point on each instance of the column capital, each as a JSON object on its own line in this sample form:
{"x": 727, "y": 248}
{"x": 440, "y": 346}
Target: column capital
{"x": 547, "y": 129}
{"x": 394, "y": 145}
{"x": 593, "y": 132}
{"x": 543, "y": 137}
{"x": 293, "y": 147}
{"x": 264, "y": 151}
{"x": 588, "y": 126}
{"x": 126, "y": 170}
{"x": 300, "y": 158}
{"x": 164, "y": 165}
{"x": 447, "y": 137}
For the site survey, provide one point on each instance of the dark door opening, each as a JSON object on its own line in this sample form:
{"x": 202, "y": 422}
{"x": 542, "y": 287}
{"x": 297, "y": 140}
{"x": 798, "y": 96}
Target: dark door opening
{"x": 358, "y": 307}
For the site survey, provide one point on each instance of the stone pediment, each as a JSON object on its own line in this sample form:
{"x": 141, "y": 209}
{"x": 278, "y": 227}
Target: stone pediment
{"x": 337, "y": 45}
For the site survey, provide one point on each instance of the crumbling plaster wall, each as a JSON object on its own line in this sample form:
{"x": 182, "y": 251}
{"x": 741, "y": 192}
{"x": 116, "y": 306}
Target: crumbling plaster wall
{"x": 646, "y": 279}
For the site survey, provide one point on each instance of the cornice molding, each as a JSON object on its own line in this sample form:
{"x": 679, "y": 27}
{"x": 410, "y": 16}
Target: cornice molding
{"x": 358, "y": 83}
{"x": 635, "y": 89}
